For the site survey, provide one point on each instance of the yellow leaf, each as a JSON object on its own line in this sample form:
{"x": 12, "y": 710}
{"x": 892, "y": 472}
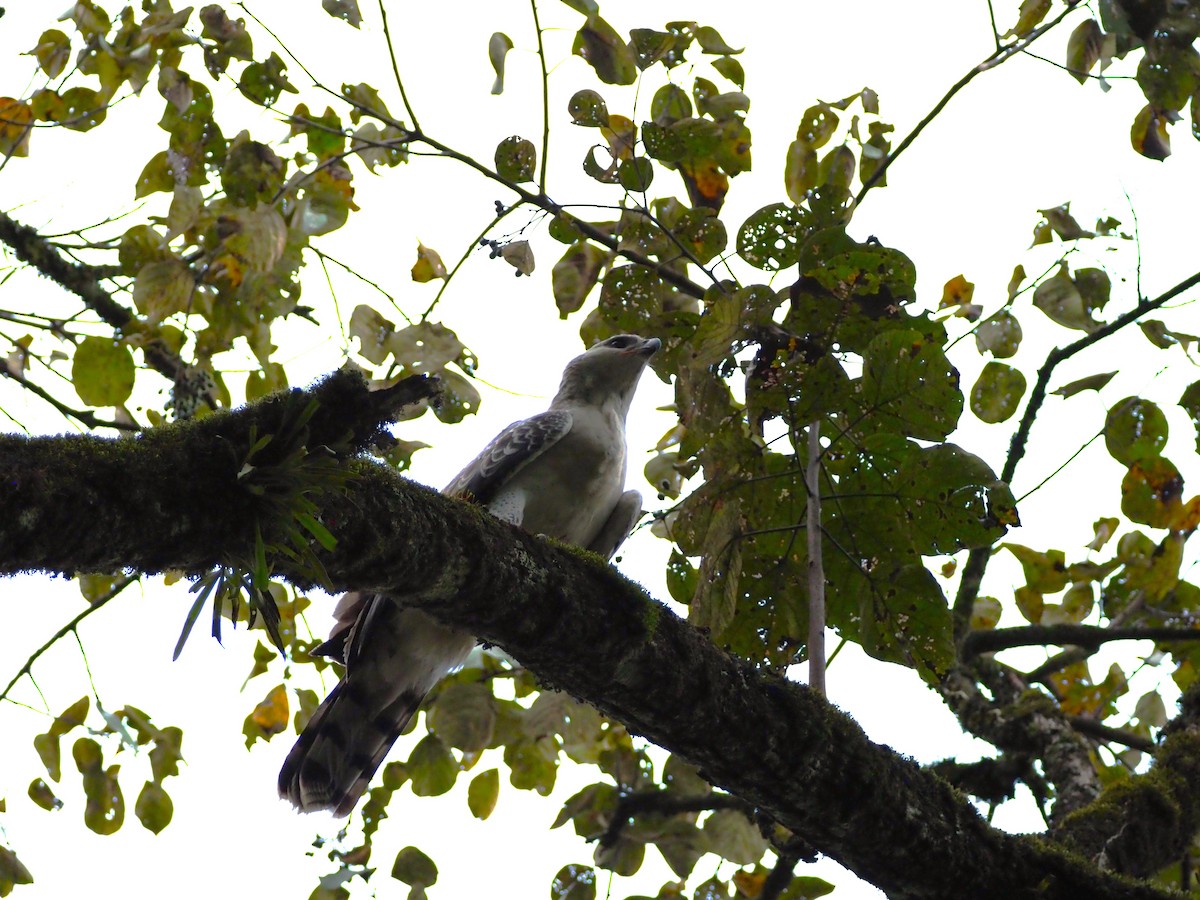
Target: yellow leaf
{"x": 15, "y": 119}
{"x": 428, "y": 266}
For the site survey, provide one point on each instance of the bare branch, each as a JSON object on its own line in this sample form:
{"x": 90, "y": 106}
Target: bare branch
{"x": 1067, "y": 634}
{"x": 1095, "y": 729}
{"x": 84, "y": 417}
{"x": 664, "y": 803}
{"x": 537, "y": 27}
{"x": 1002, "y": 53}
{"x": 68, "y": 628}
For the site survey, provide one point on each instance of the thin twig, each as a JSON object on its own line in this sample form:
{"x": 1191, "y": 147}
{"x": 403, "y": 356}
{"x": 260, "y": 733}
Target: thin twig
{"x": 325, "y": 257}
{"x": 1095, "y": 729}
{"x": 471, "y": 248}
{"x": 387, "y": 34}
{"x": 83, "y": 416}
{"x": 1000, "y": 55}
{"x": 537, "y": 25}
{"x": 816, "y": 564}
{"x": 100, "y": 601}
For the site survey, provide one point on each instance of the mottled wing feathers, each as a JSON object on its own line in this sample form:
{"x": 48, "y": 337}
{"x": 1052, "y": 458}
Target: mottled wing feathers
{"x": 513, "y": 449}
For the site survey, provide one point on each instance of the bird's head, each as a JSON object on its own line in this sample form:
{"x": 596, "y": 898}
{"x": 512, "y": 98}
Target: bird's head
{"x": 608, "y": 372}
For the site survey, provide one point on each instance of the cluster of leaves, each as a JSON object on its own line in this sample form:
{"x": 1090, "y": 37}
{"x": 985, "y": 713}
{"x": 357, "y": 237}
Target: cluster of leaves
{"x": 1168, "y": 71}
{"x": 126, "y": 729}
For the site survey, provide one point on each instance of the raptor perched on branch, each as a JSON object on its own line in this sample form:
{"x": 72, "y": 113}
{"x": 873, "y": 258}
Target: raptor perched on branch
{"x": 561, "y": 474}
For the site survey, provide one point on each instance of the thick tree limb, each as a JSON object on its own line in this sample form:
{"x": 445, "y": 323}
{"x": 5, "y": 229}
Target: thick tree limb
{"x": 172, "y": 498}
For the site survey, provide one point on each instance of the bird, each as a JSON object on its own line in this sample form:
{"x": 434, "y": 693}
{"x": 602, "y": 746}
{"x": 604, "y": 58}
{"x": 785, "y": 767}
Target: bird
{"x": 561, "y": 474}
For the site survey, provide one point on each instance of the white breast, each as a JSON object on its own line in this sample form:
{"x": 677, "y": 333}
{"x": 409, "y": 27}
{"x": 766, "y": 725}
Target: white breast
{"x": 570, "y": 490}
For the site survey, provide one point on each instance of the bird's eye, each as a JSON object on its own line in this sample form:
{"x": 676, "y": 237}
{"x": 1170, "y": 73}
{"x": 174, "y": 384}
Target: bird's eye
{"x": 622, "y": 341}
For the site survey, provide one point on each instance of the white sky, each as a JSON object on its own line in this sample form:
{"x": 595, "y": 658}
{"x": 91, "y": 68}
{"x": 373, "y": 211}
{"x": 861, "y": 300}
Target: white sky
{"x": 963, "y": 199}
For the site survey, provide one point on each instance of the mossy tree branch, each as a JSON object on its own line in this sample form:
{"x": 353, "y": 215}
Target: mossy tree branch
{"x": 171, "y": 498}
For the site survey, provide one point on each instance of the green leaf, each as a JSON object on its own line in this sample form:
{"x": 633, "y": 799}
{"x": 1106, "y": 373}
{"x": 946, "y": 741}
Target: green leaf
{"x": 1168, "y": 74}
{"x": 464, "y": 716}
{"x": 710, "y": 41}
{"x": 483, "y": 793}
{"x": 498, "y": 46}
{"x": 1045, "y": 572}
{"x": 346, "y": 10}
{"x": 264, "y": 82}
{"x": 104, "y": 812}
{"x": 650, "y": 46}
{"x": 702, "y": 232}
{"x": 635, "y": 174}
{"x": 1083, "y": 49}
{"x": 1134, "y": 429}
{"x": 1060, "y": 298}
{"x": 952, "y": 500}
{"x": 602, "y": 48}
{"x": 52, "y": 51}
{"x": 1029, "y": 16}
{"x": 41, "y": 794}
{"x": 1089, "y": 383}
{"x": 999, "y": 335}
{"x": 588, "y": 108}
{"x": 432, "y": 767}
{"x": 997, "y": 393}
{"x": 156, "y": 176}
{"x": 770, "y": 238}
{"x": 574, "y": 882}
{"x": 1148, "y": 134}
{"x": 623, "y": 856}
{"x": 415, "y": 868}
{"x": 734, "y": 837}
{"x": 670, "y": 104}
{"x": 574, "y": 276}
{"x": 1190, "y": 401}
{"x": 82, "y": 108}
{"x": 800, "y": 171}
{"x": 533, "y": 765}
{"x": 590, "y": 809}
{"x": 457, "y": 400}
{"x": 904, "y": 618}
{"x": 817, "y": 125}
{"x": 154, "y": 807}
{"x": 1151, "y": 492}
{"x": 102, "y": 372}
{"x": 632, "y": 298}
{"x": 908, "y": 387}
{"x": 731, "y": 69}
{"x": 12, "y": 871}
{"x": 719, "y": 327}
{"x": 516, "y": 159}
{"x": 161, "y": 289}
